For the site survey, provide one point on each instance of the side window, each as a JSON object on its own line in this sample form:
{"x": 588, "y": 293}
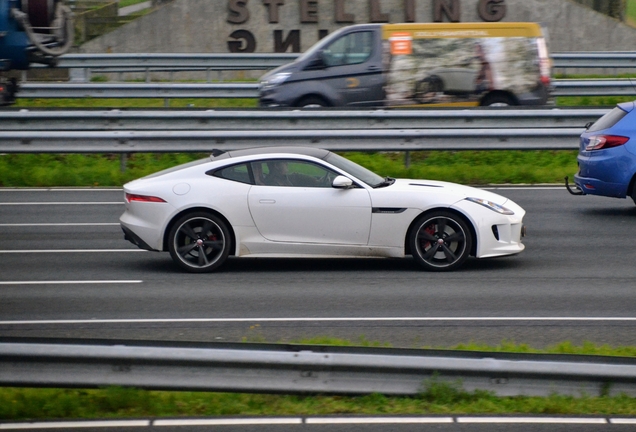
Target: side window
{"x": 237, "y": 173}
{"x": 352, "y": 48}
{"x": 292, "y": 173}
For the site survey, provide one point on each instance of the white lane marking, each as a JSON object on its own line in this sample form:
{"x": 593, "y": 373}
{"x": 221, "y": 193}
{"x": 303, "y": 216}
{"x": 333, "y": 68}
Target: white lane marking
{"x": 63, "y": 203}
{"x": 225, "y": 422}
{"x": 555, "y": 188}
{"x": 376, "y": 420}
{"x": 60, "y": 189}
{"x": 58, "y": 224}
{"x": 76, "y": 424}
{"x": 361, "y": 319}
{"x": 71, "y": 282}
{"x": 308, "y": 420}
{"x": 25, "y": 251}
{"x": 551, "y": 420}
{"x": 623, "y": 421}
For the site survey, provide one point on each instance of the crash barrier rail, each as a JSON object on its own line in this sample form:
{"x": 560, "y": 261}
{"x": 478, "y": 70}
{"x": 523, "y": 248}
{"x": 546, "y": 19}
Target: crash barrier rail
{"x": 190, "y": 120}
{"x": 379, "y": 130}
{"x": 306, "y": 369}
{"x": 128, "y": 62}
{"x": 563, "y": 87}
{"x": 204, "y": 141}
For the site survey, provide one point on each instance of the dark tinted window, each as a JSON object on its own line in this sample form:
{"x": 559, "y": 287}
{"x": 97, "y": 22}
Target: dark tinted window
{"x": 237, "y": 173}
{"x": 608, "y": 120}
{"x": 289, "y": 172}
{"x": 350, "y": 49}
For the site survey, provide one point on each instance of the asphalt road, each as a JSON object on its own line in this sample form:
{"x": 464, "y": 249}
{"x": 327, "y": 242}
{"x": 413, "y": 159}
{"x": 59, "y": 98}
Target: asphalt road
{"x": 66, "y": 271}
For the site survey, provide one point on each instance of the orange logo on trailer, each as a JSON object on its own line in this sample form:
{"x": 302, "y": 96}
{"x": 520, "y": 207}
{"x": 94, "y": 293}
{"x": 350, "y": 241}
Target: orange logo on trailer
{"x": 401, "y": 43}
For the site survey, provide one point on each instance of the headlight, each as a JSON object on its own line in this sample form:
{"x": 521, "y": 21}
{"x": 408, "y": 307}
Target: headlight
{"x": 275, "y": 80}
{"x": 491, "y": 205}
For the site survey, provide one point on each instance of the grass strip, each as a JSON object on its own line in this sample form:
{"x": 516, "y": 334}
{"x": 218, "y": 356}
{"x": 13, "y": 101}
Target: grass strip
{"x": 436, "y": 397}
{"x": 466, "y": 167}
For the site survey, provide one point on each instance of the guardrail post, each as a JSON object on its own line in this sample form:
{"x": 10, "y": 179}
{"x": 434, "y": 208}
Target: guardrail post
{"x": 123, "y": 162}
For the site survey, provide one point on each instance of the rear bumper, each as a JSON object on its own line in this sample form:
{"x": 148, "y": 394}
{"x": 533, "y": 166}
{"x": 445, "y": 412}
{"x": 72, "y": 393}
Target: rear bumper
{"x": 135, "y": 239}
{"x": 592, "y": 186}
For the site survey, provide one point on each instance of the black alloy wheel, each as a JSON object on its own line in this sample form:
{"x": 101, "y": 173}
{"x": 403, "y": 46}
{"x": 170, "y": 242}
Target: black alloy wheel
{"x": 199, "y": 242}
{"x": 440, "y": 241}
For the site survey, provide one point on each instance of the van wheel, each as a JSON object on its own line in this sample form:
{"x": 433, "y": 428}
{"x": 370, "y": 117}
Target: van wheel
{"x": 498, "y": 100}
{"x": 312, "y": 102}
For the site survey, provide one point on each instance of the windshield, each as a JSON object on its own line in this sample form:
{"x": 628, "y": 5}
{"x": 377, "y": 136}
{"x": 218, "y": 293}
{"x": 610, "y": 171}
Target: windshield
{"x": 319, "y": 45}
{"x": 361, "y": 173}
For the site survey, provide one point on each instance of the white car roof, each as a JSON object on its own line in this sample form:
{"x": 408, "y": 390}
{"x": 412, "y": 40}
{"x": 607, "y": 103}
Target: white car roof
{"x": 306, "y": 151}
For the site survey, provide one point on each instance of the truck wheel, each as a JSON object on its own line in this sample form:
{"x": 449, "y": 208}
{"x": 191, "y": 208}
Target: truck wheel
{"x": 498, "y": 100}
{"x": 312, "y": 102}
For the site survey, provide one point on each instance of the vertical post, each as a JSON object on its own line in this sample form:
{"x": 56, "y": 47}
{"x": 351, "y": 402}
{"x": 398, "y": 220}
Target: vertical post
{"x": 407, "y": 159}
{"x": 123, "y": 159}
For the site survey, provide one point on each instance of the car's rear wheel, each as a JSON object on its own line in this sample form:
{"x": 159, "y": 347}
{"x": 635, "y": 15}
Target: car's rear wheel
{"x": 199, "y": 242}
{"x": 440, "y": 241}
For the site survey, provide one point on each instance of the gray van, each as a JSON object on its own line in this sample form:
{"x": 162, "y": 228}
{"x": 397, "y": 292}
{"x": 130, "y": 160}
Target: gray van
{"x": 437, "y": 64}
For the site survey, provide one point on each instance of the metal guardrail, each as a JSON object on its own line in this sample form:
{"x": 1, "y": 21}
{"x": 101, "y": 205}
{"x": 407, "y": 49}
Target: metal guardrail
{"x": 139, "y": 90}
{"x": 118, "y": 62}
{"x": 594, "y": 59}
{"x": 596, "y": 87}
{"x": 337, "y": 140}
{"x": 190, "y": 120}
{"x": 307, "y": 369}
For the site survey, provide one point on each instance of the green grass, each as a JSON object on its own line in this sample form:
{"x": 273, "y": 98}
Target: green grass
{"x": 436, "y": 397}
{"x": 124, "y": 3}
{"x": 630, "y": 14}
{"x": 466, "y": 167}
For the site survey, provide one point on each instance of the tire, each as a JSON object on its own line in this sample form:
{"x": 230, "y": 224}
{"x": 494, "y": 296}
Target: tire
{"x": 312, "y": 102}
{"x": 498, "y": 100}
{"x": 199, "y": 242}
{"x": 440, "y": 241}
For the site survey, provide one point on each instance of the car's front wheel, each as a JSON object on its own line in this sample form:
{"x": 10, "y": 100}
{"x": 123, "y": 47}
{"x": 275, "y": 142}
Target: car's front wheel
{"x": 199, "y": 242}
{"x": 440, "y": 241}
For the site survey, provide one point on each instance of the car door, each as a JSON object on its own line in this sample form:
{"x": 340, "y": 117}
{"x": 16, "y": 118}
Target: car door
{"x": 354, "y": 68}
{"x": 305, "y": 208}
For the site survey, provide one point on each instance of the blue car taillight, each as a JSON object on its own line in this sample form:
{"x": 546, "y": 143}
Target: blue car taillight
{"x": 599, "y": 142}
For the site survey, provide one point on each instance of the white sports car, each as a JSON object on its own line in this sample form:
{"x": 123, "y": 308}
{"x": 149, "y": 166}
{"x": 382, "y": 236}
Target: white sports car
{"x": 284, "y": 201}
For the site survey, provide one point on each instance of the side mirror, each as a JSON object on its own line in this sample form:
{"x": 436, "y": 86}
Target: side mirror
{"x": 342, "y": 182}
{"x": 588, "y": 124}
{"x": 317, "y": 62}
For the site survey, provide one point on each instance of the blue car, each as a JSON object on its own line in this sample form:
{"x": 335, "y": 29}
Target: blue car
{"x": 607, "y": 155}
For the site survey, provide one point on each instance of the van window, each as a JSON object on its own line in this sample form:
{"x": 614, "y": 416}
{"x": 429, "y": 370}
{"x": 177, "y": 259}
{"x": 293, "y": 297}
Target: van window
{"x": 350, "y": 49}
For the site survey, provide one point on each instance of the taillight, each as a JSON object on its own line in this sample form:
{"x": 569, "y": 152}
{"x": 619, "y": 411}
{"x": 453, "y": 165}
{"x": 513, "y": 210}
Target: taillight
{"x": 143, "y": 198}
{"x": 545, "y": 64}
{"x": 598, "y": 142}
